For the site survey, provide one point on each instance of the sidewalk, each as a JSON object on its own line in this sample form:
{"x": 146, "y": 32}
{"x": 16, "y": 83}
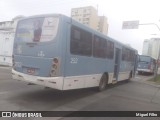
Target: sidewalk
{"x": 5, "y": 66}
{"x": 145, "y": 80}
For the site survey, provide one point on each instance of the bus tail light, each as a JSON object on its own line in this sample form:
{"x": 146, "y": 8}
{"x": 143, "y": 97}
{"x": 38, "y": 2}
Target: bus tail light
{"x": 149, "y": 66}
{"x": 55, "y": 67}
{"x": 55, "y": 60}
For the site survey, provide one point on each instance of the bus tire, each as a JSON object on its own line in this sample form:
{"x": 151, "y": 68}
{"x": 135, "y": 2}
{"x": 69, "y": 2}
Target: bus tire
{"x": 103, "y": 83}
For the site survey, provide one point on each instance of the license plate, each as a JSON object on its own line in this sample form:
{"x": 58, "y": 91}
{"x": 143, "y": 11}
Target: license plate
{"x": 31, "y": 70}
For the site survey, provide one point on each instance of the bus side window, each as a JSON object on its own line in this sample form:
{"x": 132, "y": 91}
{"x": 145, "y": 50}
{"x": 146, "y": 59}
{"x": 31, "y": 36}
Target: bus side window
{"x": 110, "y": 49}
{"x": 81, "y": 42}
{"x": 99, "y": 47}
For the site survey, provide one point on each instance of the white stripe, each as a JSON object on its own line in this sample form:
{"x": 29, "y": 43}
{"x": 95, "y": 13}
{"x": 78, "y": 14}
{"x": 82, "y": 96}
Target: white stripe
{"x": 4, "y": 92}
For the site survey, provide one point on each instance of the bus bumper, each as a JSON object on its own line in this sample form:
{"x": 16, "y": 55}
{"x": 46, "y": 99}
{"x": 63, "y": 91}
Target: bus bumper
{"x": 145, "y": 70}
{"x": 52, "y": 82}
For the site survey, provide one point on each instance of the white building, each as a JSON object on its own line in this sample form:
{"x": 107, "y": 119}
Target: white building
{"x": 151, "y": 47}
{"x": 7, "y": 32}
{"x": 89, "y": 16}
{"x": 146, "y": 44}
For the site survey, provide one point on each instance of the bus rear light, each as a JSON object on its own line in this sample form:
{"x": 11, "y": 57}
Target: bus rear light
{"x": 55, "y": 67}
{"x": 149, "y": 66}
{"x": 53, "y": 71}
{"x": 55, "y": 60}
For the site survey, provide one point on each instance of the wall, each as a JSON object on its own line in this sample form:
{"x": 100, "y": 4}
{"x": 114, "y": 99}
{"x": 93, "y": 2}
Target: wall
{"x": 7, "y": 33}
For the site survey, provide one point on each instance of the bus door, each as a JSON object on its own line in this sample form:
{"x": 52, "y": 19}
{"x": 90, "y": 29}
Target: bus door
{"x": 117, "y": 63}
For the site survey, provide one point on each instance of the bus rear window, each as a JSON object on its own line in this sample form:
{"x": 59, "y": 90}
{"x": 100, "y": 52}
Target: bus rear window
{"x": 37, "y": 29}
{"x": 144, "y": 59}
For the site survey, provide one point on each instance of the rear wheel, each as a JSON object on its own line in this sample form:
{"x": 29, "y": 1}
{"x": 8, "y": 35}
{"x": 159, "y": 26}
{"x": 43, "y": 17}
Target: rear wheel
{"x": 103, "y": 83}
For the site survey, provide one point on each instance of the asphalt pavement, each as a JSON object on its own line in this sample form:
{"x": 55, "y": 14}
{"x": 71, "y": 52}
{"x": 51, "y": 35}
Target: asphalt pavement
{"x": 136, "y": 95}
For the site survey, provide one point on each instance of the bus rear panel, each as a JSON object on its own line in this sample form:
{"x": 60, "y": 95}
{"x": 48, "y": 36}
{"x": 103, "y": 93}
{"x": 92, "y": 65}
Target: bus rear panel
{"x": 37, "y": 53}
{"x": 146, "y": 64}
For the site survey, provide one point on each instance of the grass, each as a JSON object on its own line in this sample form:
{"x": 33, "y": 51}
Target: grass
{"x": 156, "y": 80}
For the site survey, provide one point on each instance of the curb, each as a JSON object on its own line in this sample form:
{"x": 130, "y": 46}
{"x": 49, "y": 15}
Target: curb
{"x": 152, "y": 83}
{"x": 146, "y": 81}
{"x": 5, "y": 67}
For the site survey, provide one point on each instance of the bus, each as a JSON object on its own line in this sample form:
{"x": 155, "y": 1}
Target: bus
{"x": 58, "y": 52}
{"x": 146, "y": 64}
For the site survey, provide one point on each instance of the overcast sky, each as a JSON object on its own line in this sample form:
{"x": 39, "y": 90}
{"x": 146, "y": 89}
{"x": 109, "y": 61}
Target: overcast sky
{"x": 117, "y": 11}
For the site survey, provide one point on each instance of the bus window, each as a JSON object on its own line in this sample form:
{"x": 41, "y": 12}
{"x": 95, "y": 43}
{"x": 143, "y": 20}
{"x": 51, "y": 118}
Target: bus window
{"x": 100, "y": 47}
{"x": 144, "y": 59}
{"x": 110, "y": 49}
{"x": 37, "y": 29}
{"x": 128, "y": 55}
{"x": 81, "y": 42}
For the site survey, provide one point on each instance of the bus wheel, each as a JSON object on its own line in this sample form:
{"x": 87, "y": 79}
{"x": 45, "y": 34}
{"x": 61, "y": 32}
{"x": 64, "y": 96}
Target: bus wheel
{"x": 103, "y": 83}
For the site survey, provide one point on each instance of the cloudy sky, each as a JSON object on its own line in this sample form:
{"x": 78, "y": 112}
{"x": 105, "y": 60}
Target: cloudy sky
{"x": 117, "y": 11}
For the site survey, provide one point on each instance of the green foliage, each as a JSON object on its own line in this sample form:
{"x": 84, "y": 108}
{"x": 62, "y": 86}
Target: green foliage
{"x": 156, "y": 80}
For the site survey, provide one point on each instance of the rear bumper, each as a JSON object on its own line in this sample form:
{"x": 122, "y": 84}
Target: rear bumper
{"x": 52, "y": 82}
{"x": 145, "y": 70}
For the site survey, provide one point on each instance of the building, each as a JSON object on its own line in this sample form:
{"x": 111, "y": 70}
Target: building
{"x": 7, "y": 32}
{"x": 102, "y": 25}
{"x": 146, "y": 44}
{"x": 151, "y": 47}
{"x": 89, "y": 16}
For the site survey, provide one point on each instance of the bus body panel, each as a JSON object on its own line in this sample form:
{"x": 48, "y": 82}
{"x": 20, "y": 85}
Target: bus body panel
{"x": 39, "y": 56}
{"x": 91, "y": 64}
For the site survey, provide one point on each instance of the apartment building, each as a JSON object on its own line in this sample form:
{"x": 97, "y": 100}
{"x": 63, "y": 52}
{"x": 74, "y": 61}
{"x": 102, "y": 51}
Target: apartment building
{"x": 146, "y": 45}
{"x": 151, "y": 47}
{"x": 89, "y": 16}
{"x": 102, "y": 25}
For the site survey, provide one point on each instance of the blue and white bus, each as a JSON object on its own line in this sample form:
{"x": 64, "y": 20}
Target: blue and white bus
{"x": 146, "y": 64}
{"x": 58, "y": 52}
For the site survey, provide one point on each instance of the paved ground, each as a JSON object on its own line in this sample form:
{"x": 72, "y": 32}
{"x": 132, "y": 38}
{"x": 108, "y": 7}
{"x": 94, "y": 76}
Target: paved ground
{"x": 132, "y": 96}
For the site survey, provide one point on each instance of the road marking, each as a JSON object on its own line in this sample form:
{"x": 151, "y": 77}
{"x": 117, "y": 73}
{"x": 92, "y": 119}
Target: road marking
{"x": 4, "y": 92}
